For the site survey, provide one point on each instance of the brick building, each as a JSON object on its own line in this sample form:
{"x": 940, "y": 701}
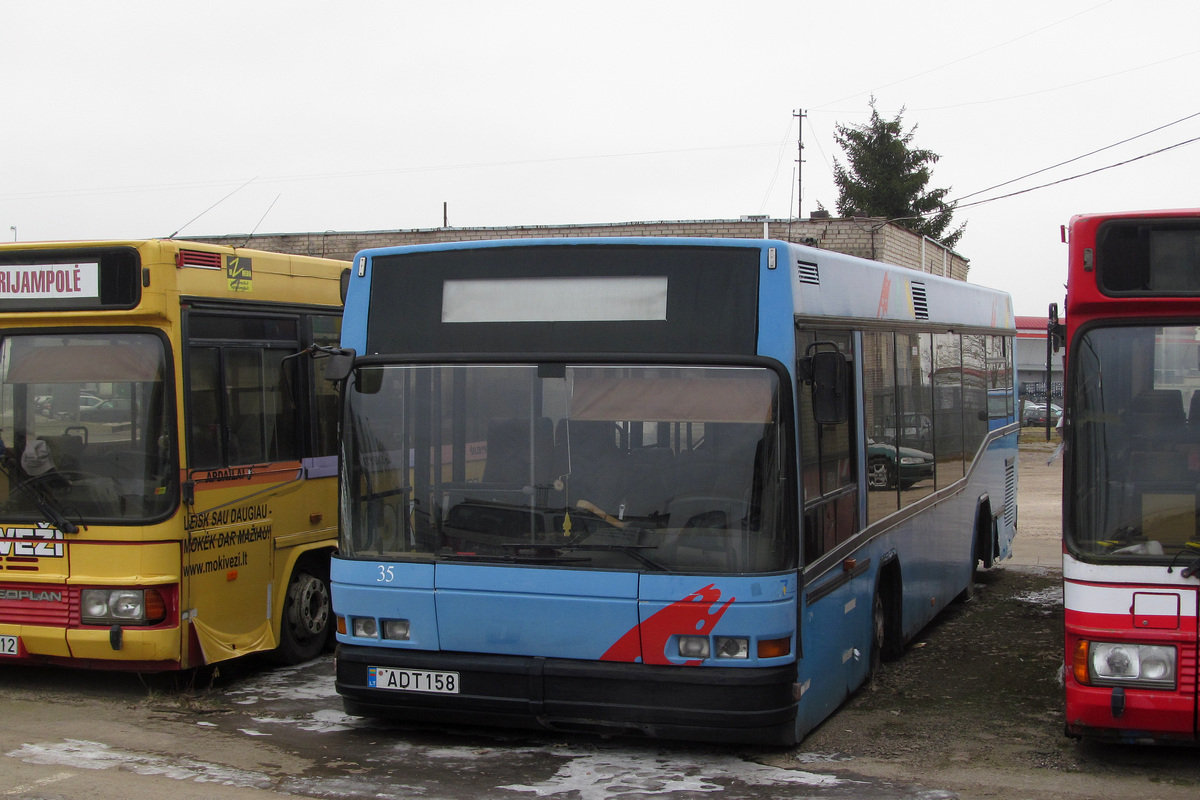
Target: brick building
{"x": 870, "y": 238}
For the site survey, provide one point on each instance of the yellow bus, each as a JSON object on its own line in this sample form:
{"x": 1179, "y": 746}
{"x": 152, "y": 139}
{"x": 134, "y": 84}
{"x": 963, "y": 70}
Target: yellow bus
{"x": 168, "y": 465}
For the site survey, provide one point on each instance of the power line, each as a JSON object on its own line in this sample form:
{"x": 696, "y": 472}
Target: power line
{"x": 954, "y": 206}
{"x": 1073, "y": 177}
{"x": 1077, "y": 158}
{"x": 779, "y": 160}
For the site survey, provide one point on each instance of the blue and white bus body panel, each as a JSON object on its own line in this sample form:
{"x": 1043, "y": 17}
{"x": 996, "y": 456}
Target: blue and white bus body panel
{"x": 527, "y": 611}
{"x": 881, "y": 293}
{"x": 757, "y": 608}
{"x": 838, "y": 593}
{"x": 485, "y": 609}
{"x": 389, "y": 590}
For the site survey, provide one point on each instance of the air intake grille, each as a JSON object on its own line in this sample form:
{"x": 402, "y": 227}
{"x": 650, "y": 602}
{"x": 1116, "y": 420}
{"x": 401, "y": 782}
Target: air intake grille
{"x": 38, "y": 604}
{"x": 809, "y": 273}
{"x": 920, "y": 302}
{"x": 195, "y": 258}
{"x": 1010, "y": 493}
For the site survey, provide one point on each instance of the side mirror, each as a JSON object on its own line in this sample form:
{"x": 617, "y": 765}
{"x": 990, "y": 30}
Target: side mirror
{"x": 338, "y": 365}
{"x": 827, "y": 371}
{"x": 1056, "y": 332}
{"x": 1055, "y": 338}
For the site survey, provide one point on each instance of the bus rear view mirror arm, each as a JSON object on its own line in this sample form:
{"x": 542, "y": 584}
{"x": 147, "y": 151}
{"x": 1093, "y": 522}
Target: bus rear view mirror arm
{"x": 341, "y": 360}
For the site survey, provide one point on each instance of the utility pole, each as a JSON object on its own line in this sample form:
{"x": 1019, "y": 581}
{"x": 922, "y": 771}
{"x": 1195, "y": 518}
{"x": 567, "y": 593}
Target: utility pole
{"x": 800, "y": 115}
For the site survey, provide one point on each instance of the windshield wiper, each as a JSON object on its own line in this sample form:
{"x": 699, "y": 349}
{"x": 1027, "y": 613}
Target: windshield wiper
{"x": 44, "y": 506}
{"x": 513, "y": 558}
{"x": 631, "y": 550}
{"x": 1190, "y": 548}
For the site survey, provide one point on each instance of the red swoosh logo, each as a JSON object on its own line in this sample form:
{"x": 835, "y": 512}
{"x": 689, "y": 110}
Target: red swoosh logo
{"x": 695, "y": 614}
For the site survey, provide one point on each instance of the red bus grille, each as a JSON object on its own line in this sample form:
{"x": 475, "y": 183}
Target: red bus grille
{"x": 196, "y": 258}
{"x": 20, "y": 564}
{"x": 38, "y": 604}
{"x": 1187, "y": 670}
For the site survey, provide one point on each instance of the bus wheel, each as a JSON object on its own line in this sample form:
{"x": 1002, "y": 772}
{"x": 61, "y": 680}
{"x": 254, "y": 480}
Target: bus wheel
{"x": 304, "y": 629}
{"x": 878, "y": 635}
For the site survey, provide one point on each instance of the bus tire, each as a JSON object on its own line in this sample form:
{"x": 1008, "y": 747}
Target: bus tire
{"x": 982, "y": 547}
{"x": 307, "y": 613}
{"x": 968, "y": 592}
{"x": 878, "y": 635}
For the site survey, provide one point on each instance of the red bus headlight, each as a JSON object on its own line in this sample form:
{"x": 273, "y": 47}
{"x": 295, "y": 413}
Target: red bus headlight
{"x": 1125, "y": 664}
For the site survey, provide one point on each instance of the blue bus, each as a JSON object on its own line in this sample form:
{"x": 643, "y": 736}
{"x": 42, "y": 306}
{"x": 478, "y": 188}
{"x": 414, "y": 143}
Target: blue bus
{"x": 687, "y": 488}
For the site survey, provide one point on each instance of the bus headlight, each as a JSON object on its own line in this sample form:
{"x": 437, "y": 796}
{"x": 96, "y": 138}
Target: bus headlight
{"x": 1123, "y": 664}
{"x": 732, "y": 647}
{"x": 693, "y": 647}
{"x": 396, "y": 629}
{"x": 122, "y": 607}
{"x": 365, "y": 627}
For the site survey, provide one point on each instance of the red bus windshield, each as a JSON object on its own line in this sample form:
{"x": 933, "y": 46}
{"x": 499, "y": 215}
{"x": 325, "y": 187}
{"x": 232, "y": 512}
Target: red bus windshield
{"x": 1136, "y": 442}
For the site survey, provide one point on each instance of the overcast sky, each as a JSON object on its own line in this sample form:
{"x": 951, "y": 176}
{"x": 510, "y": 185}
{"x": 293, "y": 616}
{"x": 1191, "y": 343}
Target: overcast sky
{"x": 137, "y": 119}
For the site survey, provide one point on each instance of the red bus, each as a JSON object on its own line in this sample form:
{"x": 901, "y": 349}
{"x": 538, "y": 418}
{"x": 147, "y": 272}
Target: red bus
{"x": 1131, "y": 480}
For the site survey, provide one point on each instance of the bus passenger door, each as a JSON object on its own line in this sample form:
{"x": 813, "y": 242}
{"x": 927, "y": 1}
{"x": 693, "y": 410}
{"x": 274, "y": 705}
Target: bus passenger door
{"x": 835, "y": 621}
{"x": 243, "y": 469}
{"x": 228, "y": 563}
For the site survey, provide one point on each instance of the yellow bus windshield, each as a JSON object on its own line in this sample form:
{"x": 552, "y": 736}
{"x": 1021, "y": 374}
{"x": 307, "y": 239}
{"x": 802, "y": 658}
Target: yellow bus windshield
{"x": 85, "y": 422}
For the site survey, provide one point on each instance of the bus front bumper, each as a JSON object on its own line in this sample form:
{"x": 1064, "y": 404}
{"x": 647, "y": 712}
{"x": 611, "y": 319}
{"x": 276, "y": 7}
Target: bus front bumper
{"x": 1130, "y": 715}
{"x": 144, "y": 649}
{"x": 753, "y": 706}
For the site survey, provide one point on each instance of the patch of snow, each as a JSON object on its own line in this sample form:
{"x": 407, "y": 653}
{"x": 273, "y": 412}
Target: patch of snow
{"x": 82, "y": 754}
{"x": 1051, "y": 597}
{"x": 603, "y": 776}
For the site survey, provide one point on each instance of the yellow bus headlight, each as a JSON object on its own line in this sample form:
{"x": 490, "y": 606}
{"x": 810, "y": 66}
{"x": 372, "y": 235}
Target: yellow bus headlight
{"x": 122, "y": 607}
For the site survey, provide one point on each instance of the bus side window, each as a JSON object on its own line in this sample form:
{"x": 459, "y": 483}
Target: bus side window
{"x": 241, "y": 409}
{"x": 974, "y": 396}
{"x": 261, "y": 413}
{"x": 828, "y": 463}
{"x": 203, "y": 411}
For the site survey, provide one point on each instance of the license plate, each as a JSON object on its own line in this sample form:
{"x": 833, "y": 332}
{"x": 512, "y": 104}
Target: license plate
{"x": 412, "y": 680}
{"x": 10, "y": 646}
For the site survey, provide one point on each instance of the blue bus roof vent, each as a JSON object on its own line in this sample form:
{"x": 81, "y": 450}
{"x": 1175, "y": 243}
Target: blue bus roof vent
{"x": 809, "y": 273}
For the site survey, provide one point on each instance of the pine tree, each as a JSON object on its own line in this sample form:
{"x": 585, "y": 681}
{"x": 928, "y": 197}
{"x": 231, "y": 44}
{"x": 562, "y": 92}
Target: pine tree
{"x": 887, "y": 177}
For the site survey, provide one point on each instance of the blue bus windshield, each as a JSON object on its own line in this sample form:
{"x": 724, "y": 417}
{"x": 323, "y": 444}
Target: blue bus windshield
{"x": 639, "y": 468}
